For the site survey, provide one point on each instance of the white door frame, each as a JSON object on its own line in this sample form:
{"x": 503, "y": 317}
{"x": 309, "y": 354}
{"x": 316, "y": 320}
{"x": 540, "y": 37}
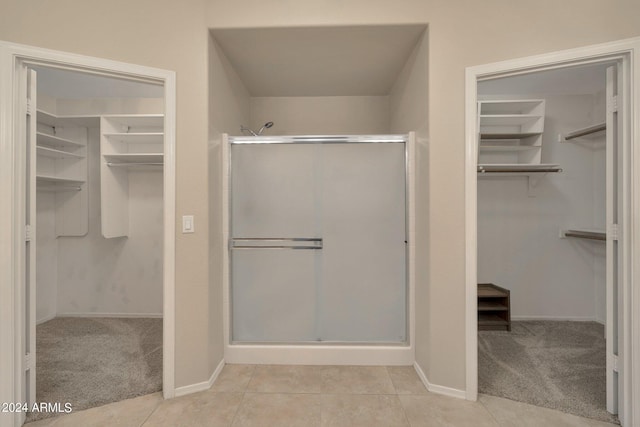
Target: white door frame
{"x": 12, "y": 233}
{"x": 628, "y": 53}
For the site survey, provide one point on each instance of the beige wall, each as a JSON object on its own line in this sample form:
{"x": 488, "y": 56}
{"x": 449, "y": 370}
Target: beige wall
{"x": 321, "y": 115}
{"x": 165, "y": 34}
{"x": 409, "y": 105}
{"x": 173, "y": 35}
{"x": 229, "y": 106}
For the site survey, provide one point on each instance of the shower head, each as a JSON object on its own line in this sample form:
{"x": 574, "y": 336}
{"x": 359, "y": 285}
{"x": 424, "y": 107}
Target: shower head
{"x": 266, "y": 126}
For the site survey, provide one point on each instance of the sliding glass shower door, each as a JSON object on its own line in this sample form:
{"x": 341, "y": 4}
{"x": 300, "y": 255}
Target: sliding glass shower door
{"x": 318, "y": 242}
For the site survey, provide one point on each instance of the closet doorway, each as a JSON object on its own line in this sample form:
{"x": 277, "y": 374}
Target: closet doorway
{"x": 98, "y": 237}
{"x": 542, "y": 237}
{"x": 95, "y": 190}
{"x": 551, "y": 170}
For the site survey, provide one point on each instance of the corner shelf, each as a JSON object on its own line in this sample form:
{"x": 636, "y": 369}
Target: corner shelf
{"x": 56, "y": 154}
{"x": 58, "y": 179}
{"x": 54, "y": 141}
{"x": 54, "y": 120}
{"x": 61, "y": 168}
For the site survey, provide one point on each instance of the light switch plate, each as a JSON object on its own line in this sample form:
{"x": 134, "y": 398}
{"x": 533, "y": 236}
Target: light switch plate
{"x": 188, "y": 226}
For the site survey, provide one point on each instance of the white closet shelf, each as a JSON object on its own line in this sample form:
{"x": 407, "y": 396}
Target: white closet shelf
{"x": 508, "y": 119}
{"x": 56, "y": 154}
{"x": 137, "y": 120}
{"x": 504, "y": 147}
{"x": 503, "y": 106}
{"x": 137, "y": 138}
{"x": 139, "y": 159}
{"x": 57, "y": 180}
{"x": 509, "y": 135}
{"x": 55, "y": 120}
{"x": 55, "y": 141}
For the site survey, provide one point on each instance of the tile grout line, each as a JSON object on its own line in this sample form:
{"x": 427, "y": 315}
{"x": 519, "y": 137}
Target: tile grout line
{"x": 490, "y": 413}
{"x": 152, "y": 412}
{"x": 235, "y": 414}
{"x": 244, "y": 393}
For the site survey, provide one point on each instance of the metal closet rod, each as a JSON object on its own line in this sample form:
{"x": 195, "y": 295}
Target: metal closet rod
{"x": 591, "y": 235}
{"x": 586, "y": 131}
{"x": 518, "y": 170}
{"x": 57, "y": 189}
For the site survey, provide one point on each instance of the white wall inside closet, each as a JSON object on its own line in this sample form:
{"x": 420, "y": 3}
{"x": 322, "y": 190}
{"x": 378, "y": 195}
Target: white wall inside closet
{"x": 89, "y": 274}
{"x": 519, "y": 247}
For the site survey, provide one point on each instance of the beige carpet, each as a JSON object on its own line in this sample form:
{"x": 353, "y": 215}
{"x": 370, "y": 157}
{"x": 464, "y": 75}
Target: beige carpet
{"x": 558, "y": 365}
{"x": 93, "y": 361}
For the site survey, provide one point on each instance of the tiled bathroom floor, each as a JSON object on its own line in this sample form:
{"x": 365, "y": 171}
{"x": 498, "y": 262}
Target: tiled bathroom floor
{"x": 266, "y": 395}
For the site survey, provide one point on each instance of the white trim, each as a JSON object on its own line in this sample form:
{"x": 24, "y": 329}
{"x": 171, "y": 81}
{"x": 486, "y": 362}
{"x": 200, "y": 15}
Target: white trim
{"x": 471, "y": 236}
{"x": 12, "y": 54}
{"x": 45, "y": 319}
{"x": 7, "y": 232}
{"x": 627, "y": 51}
{"x": 114, "y": 315}
{"x": 634, "y": 245}
{"x": 378, "y": 355}
{"x": 365, "y": 355}
{"x": 205, "y": 385}
{"x": 438, "y": 389}
{"x": 169, "y": 261}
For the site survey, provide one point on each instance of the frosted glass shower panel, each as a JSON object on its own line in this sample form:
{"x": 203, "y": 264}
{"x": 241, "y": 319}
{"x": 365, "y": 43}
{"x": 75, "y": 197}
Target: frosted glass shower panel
{"x": 318, "y": 242}
{"x": 272, "y": 187}
{"x": 274, "y": 287}
{"x": 363, "y": 296}
{"x": 274, "y": 295}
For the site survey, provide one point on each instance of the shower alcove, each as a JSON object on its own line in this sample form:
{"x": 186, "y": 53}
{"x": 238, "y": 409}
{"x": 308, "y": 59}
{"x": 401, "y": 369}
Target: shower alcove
{"x": 312, "y": 224}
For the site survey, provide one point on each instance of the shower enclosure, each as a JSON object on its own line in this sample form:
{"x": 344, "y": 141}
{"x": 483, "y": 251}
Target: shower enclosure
{"x": 318, "y": 240}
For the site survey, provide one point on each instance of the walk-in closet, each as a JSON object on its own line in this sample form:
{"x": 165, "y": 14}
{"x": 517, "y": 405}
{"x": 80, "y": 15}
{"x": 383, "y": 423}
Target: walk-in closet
{"x": 97, "y": 160}
{"x": 547, "y": 185}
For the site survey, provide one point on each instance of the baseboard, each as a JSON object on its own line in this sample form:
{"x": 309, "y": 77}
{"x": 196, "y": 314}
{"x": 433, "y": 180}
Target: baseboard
{"x": 438, "y": 389}
{"x": 205, "y": 385}
{"x": 45, "y": 319}
{"x": 136, "y": 315}
{"x": 557, "y": 318}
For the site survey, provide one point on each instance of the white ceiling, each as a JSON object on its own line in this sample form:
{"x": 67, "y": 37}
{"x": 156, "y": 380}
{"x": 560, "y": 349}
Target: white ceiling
{"x": 579, "y": 80}
{"x": 76, "y": 85}
{"x": 319, "y": 61}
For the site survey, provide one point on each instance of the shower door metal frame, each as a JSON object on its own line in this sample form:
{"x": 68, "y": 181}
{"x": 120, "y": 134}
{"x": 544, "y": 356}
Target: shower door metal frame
{"x": 230, "y": 242}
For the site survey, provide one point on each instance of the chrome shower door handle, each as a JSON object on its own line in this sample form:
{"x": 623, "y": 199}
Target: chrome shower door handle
{"x": 275, "y": 243}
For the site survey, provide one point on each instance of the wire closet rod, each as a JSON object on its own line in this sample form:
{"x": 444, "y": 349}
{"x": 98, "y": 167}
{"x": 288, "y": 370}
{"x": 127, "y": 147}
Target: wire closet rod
{"x": 586, "y": 131}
